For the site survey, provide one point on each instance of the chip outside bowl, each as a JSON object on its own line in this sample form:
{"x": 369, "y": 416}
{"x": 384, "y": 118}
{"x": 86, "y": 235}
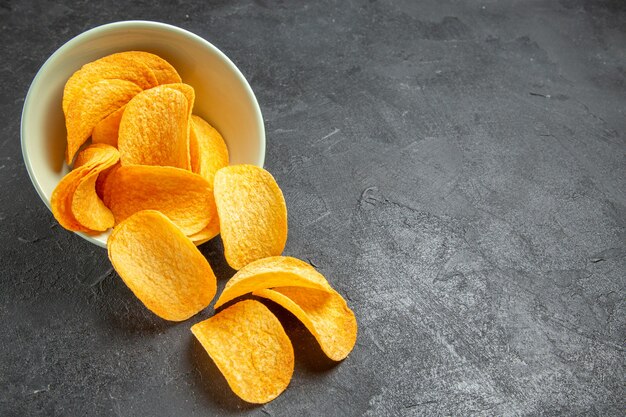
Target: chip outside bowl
{"x": 223, "y": 96}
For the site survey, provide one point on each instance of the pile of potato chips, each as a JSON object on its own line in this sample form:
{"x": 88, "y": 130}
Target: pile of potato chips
{"x": 160, "y": 176}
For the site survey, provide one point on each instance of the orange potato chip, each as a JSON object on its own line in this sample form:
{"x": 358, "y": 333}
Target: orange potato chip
{"x": 92, "y": 159}
{"x": 107, "y": 68}
{"x": 107, "y": 130}
{"x": 96, "y": 154}
{"x": 87, "y": 208}
{"x": 325, "y": 314}
{"x": 251, "y": 349}
{"x": 207, "y": 148}
{"x": 104, "y": 182}
{"x": 209, "y": 232}
{"x": 161, "y": 266}
{"x": 163, "y": 70}
{"x": 276, "y": 271}
{"x": 94, "y": 104}
{"x": 184, "y": 197}
{"x": 252, "y": 213}
{"x": 187, "y": 90}
{"x": 102, "y": 179}
{"x": 61, "y": 200}
{"x": 154, "y": 129}
{"x": 190, "y": 94}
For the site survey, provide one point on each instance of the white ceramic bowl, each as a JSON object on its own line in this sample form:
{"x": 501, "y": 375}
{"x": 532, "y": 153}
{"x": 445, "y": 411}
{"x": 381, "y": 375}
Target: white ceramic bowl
{"x": 223, "y": 96}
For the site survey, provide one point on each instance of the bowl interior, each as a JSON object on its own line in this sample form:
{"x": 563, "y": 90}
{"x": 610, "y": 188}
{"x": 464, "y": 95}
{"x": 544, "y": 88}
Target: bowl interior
{"x": 223, "y": 96}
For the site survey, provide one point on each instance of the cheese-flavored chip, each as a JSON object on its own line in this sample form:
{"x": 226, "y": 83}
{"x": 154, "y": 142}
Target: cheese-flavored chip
{"x": 184, "y": 197}
{"x": 252, "y": 213}
{"x": 108, "y": 68}
{"x": 207, "y": 148}
{"x": 94, "y": 104}
{"x": 276, "y": 271}
{"x": 107, "y": 130}
{"x": 161, "y": 266}
{"x": 325, "y": 314}
{"x": 251, "y": 349}
{"x": 154, "y": 129}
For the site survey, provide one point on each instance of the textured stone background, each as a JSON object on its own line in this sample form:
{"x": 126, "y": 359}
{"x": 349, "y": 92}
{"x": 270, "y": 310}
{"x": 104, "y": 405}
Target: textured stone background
{"x": 456, "y": 169}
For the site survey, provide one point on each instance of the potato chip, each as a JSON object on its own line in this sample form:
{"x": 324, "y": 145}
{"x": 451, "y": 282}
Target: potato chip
{"x": 252, "y": 212}
{"x": 154, "y": 129}
{"x": 209, "y": 232}
{"x": 107, "y": 68}
{"x": 107, "y": 130}
{"x": 94, "y": 158}
{"x": 102, "y": 179}
{"x": 251, "y": 349}
{"x": 87, "y": 208}
{"x": 325, "y": 314}
{"x": 190, "y": 94}
{"x": 96, "y": 154}
{"x": 94, "y": 104}
{"x": 207, "y": 148}
{"x": 163, "y": 70}
{"x": 276, "y": 271}
{"x": 187, "y": 90}
{"x": 61, "y": 200}
{"x": 161, "y": 266}
{"x": 184, "y": 197}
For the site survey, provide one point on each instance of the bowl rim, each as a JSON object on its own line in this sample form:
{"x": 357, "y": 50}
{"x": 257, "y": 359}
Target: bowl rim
{"x": 115, "y": 26}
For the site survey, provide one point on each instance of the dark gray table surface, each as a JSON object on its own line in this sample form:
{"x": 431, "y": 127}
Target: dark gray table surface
{"x": 456, "y": 169}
